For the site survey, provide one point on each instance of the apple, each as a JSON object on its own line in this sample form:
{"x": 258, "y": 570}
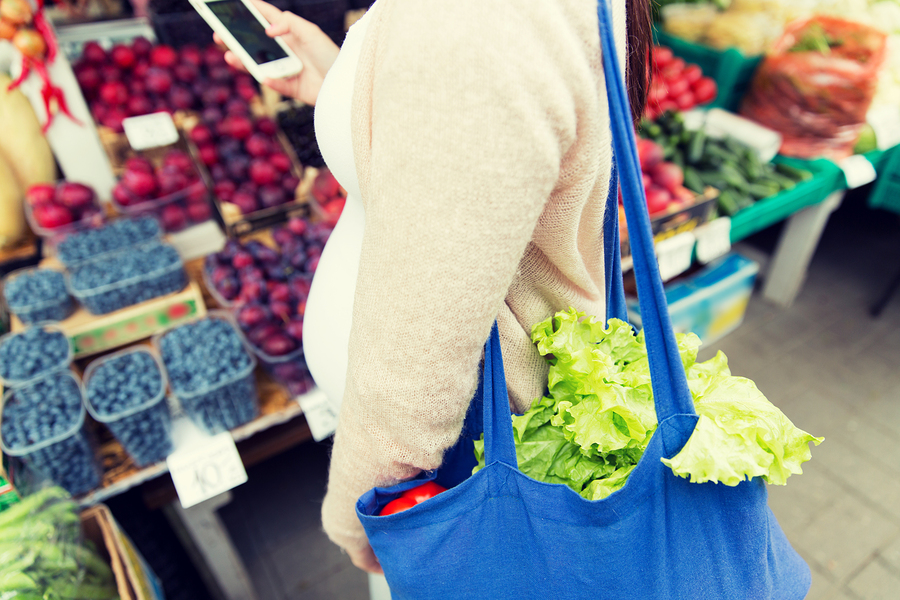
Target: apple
{"x": 51, "y": 216}
{"x": 75, "y": 196}
{"x": 41, "y": 193}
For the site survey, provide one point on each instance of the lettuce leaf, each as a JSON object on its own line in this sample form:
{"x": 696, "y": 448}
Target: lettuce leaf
{"x": 598, "y": 416}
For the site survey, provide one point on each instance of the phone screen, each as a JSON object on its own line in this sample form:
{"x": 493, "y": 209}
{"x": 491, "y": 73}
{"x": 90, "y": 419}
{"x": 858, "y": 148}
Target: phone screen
{"x": 247, "y": 30}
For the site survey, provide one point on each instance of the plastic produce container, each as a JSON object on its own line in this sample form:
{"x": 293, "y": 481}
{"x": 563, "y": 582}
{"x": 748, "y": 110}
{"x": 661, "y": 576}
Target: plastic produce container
{"x": 39, "y": 309}
{"x": 112, "y": 237}
{"x": 222, "y": 405}
{"x": 106, "y": 298}
{"x": 178, "y": 200}
{"x": 211, "y": 288}
{"x": 712, "y": 302}
{"x": 144, "y": 430}
{"x": 49, "y": 362}
{"x": 732, "y": 70}
{"x": 67, "y": 458}
{"x": 290, "y": 369}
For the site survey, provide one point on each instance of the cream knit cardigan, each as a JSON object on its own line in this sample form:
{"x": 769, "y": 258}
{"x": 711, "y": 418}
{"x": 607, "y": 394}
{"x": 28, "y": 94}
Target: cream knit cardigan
{"x": 482, "y": 144}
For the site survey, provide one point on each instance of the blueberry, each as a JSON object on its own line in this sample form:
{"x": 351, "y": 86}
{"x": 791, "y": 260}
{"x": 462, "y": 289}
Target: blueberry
{"x": 128, "y": 277}
{"x": 210, "y": 373}
{"x": 35, "y": 351}
{"x": 85, "y": 245}
{"x": 36, "y": 295}
{"x": 40, "y": 424}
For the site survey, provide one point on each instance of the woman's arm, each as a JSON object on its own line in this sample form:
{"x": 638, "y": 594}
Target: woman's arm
{"x": 470, "y": 121}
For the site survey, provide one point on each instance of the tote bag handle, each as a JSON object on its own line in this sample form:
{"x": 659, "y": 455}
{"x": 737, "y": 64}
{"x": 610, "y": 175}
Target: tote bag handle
{"x": 670, "y": 389}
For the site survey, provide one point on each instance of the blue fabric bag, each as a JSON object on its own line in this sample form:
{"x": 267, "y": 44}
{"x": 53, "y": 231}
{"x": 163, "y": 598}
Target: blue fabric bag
{"x": 500, "y": 534}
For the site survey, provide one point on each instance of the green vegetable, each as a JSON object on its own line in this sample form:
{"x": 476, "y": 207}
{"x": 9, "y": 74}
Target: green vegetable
{"x": 598, "y": 417}
{"x": 793, "y": 172}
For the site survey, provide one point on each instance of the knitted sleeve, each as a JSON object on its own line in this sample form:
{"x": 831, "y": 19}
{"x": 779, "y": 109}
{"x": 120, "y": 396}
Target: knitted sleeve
{"x": 470, "y": 120}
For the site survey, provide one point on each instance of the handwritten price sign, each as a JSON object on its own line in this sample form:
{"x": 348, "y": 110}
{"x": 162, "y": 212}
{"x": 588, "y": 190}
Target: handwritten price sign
{"x": 150, "y": 131}
{"x": 205, "y": 470}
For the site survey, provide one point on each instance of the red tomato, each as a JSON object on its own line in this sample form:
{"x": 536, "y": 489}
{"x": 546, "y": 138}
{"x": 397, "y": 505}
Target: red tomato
{"x": 662, "y": 56}
{"x": 398, "y": 505}
{"x": 685, "y": 101}
{"x": 667, "y": 105}
{"x": 657, "y": 92}
{"x": 427, "y": 490}
{"x": 705, "y": 90}
{"x": 692, "y": 73}
{"x": 674, "y": 70}
{"x": 677, "y": 87}
{"x": 657, "y": 199}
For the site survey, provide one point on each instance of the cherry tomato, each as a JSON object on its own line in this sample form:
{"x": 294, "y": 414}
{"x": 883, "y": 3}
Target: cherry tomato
{"x": 705, "y": 90}
{"x": 677, "y": 87}
{"x": 427, "y": 490}
{"x": 398, "y": 505}
{"x": 692, "y": 73}
{"x": 685, "y": 100}
{"x": 662, "y": 56}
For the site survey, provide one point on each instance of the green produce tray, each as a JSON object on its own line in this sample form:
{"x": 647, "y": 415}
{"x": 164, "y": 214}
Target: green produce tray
{"x": 731, "y": 69}
{"x": 885, "y": 193}
{"x": 771, "y": 210}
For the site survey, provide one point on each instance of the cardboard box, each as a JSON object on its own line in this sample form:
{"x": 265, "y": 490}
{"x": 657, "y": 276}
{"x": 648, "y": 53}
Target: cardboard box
{"x": 711, "y": 302}
{"x": 134, "y": 579}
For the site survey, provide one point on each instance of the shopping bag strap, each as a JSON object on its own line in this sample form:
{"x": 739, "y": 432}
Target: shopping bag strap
{"x": 612, "y": 255}
{"x": 670, "y": 389}
{"x": 498, "y": 431}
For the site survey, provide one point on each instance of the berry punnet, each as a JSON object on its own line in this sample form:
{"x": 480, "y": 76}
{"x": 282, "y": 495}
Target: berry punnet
{"x": 42, "y": 424}
{"x": 78, "y": 247}
{"x": 126, "y": 391}
{"x": 211, "y": 373}
{"x": 128, "y": 277}
{"x": 36, "y": 295}
{"x": 32, "y": 353}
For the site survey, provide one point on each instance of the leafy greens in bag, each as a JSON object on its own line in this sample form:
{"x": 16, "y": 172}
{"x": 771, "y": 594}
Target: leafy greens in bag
{"x": 593, "y": 427}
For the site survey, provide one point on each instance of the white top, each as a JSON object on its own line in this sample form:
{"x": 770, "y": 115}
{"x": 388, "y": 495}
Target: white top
{"x": 329, "y": 308}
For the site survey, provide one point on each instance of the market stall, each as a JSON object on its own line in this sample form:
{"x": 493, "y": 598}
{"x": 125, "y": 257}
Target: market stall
{"x": 163, "y": 218}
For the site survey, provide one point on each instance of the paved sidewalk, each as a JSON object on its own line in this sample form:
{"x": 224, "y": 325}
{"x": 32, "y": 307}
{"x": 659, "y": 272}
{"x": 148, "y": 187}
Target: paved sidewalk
{"x": 834, "y": 371}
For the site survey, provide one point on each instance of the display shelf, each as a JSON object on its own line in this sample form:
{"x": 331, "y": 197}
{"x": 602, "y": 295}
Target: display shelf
{"x": 768, "y": 211}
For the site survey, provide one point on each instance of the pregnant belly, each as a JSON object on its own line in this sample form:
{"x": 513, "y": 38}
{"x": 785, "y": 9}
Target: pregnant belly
{"x": 329, "y": 308}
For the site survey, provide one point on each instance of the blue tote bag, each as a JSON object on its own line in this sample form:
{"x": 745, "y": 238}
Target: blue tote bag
{"x": 500, "y": 534}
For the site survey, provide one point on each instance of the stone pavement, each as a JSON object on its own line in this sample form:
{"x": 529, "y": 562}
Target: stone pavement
{"x": 833, "y": 369}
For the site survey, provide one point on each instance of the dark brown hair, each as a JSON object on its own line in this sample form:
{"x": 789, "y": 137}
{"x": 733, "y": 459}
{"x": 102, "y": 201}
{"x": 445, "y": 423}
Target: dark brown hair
{"x": 637, "y": 75}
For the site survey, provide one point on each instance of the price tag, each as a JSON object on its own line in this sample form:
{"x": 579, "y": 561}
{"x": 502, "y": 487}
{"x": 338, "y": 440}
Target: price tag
{"x": 150, "y": 131}
{"x": 857, "y": 170}
{"x": 713, "y": 239}
{"x": 885, "y": 122}
{"x": 207, "y": 469}
{"x": 675, "y": 254}
{"x": 320, "y": 414}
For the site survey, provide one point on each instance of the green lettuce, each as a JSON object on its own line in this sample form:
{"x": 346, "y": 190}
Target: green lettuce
{"x": 598, "y": 416}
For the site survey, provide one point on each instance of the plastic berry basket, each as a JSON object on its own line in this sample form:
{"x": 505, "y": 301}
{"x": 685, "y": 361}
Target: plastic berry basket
{"x": 211, "y": 288}
{"x": 42, "y": 309}
{"x": 63, "y": 363}
{"x": 180, "y": 198}
{"x": 53, "y": 236}
{"x": 289, "y": 370}
{"x": 66, "y": 459}
{"x": 222, "y": 405}
{"x": 92, "y": 244}
{"x": 144, "y": 430}
{"x": 110, "y": 297}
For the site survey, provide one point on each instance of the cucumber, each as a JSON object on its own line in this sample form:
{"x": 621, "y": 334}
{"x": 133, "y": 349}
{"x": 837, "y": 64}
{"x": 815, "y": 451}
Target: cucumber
{"x": 692, "y": 180}
{"x": 733, "y": 176}
{"x": 727, "y": 204}
{"x": 761, "y": 190}
{"x": 793, "y": 172}
{"x": 695, "y": 147}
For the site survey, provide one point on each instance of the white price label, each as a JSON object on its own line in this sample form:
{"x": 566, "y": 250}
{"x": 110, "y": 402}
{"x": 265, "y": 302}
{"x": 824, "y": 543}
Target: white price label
{"x": 150, "y": 131}
{"x": 320, "y": 414}
{"x": 857, "y": 170}
{"x": 713, "y": 239}
{"x": 675, "y": 254}
{"x": 885, "y": 122}
{"x": 204, "y": 470}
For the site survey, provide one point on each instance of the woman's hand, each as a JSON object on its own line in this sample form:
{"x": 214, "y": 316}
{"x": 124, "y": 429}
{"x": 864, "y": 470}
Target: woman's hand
{"x": 315, "y": 49}
{"x": 365, "y": 559}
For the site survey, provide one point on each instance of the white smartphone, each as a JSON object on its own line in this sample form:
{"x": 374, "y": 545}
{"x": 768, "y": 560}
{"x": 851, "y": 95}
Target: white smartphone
{"x": 243, "y": 29}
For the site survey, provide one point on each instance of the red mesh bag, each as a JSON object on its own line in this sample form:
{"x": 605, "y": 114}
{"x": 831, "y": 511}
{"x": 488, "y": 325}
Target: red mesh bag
{"x": 816, "y": 85}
